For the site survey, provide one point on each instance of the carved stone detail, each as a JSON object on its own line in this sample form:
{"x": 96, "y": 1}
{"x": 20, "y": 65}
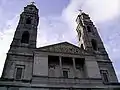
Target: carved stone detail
{"x": 63, "y": 48}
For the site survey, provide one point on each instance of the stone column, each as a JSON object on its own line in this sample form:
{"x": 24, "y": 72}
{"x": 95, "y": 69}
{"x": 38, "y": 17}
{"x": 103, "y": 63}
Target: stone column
{"x": 74, "y": 67}
{"x": 60, "y": 63}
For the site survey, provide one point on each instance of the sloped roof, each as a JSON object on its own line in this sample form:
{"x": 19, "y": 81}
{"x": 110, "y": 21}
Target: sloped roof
{"x": 63, "y": 47}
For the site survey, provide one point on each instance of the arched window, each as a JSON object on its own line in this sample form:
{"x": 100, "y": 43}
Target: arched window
{"x": 94, "y": 44}
{"x": 25, "y": 37}
{"x": 82, "y": 46}
{"x": 28, "y": 20}
{"x": 89, "y": 28}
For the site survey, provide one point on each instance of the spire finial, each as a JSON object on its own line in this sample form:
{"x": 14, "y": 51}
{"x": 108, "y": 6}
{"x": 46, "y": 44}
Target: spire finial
{"x": 81, "y": 11}
{"x": 32, "y": 2}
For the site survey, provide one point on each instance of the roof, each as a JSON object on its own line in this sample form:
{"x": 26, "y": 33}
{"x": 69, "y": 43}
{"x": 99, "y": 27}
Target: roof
{"x": 63, "y": 47}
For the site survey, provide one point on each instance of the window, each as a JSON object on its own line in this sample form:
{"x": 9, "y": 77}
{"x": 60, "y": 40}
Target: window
{"x": 104, "y": 74}
{"x": 82, "y": 46}
{"x": 105, "y": 77}
{"x": 19, "y": 73}
{"x": 89, "y": 28}
{"x": 28, "y": 20}
{"x": 65, "y": 74}
{"x": 94, "y": 44}
{"x": 25, "y": 37}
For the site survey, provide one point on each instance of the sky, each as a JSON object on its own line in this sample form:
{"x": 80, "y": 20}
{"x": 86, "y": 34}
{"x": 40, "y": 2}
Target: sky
{"x": 57, "y": 23}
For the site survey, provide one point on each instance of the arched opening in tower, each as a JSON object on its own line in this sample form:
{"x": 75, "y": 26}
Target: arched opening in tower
{"x": 89, "y": 28}
{"x": 25, "y": 37}
{"x": 82, "y": 46}
{"x": 28, "y": 20}
{"x": 94, "y": 44}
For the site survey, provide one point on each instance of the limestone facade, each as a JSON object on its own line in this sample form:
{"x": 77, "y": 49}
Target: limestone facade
{"x": 61, "y": 66}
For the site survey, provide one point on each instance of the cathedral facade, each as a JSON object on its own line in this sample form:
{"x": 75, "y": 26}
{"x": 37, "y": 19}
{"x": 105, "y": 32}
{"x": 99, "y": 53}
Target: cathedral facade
{"x": 61, "y": 66}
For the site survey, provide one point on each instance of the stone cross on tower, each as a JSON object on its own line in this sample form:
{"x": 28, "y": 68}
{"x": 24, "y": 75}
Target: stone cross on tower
{"x": 32, "y": 2}
{"x": 81, "y": 10}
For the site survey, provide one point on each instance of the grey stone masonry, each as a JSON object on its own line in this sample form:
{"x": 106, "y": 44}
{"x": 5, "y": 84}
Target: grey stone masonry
{"x": 61, "y": 66}
{"x": 20, "y": 54}
{"x": 90, "y": 40}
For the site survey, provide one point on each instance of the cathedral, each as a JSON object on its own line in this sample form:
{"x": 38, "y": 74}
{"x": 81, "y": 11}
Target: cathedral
{"x": 61, "y": 66}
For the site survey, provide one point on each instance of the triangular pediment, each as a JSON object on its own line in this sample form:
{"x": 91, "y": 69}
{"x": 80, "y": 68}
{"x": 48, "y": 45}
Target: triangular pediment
{"x": 63, "y": 47}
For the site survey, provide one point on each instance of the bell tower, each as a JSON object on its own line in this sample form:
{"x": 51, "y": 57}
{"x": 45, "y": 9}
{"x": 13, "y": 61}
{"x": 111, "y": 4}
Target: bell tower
{"x": 90, "y": 40}
{"x": 88, "y": 36}
{"x": 26, "y": 32}
{"x": 18, "y": 64}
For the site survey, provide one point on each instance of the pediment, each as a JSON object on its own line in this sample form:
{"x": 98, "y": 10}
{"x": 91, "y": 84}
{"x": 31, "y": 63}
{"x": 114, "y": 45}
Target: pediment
{"x": 64, "y": 47}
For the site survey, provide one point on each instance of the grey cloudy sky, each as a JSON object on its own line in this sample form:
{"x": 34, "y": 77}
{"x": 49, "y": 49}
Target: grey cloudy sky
{"x": 57, "y": 23}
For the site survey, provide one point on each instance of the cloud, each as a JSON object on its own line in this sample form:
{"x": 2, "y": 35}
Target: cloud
{"x": 6, "y": 36}
{"x": 53, "y": 29}
{"x": 103, "y": 10}
{"x": 99, "y": 11}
